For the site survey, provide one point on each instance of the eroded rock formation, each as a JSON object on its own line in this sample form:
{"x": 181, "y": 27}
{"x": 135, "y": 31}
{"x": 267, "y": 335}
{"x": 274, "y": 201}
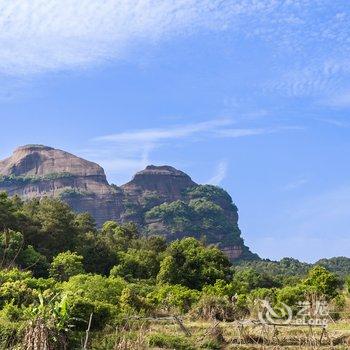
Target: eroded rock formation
{"x": 160, "y": 199}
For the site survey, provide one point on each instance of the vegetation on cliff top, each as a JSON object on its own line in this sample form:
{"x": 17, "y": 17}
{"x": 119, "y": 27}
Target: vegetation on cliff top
{"x": 27, "y": 179}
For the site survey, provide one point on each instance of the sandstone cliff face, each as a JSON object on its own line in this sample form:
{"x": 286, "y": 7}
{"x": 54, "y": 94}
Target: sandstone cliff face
{"x": 160, "y": 199}
{"x": 37, "y": 171}
{"x": 38, "y": 160}
{"x": 166, "y": 180}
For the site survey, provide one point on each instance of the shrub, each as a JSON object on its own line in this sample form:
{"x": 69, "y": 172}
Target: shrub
{"x": 211, "y": 307}
{"x": 173, "y": 297}
{"x": 291, "y": 295}
{"x": 136, "y": 264}
{"x": 162, "y": 340}
{"x": 321, "y": 281}
{"x": 188, "y": 262}
{"x": 66, "y": 265}
{"x": 82, "y": 308}
{"x": 95, "y": 288}
{"x": 11, "y": 334}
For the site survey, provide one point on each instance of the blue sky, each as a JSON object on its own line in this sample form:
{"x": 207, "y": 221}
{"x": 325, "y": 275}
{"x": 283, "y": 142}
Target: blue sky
{"x": 253, "y": 96}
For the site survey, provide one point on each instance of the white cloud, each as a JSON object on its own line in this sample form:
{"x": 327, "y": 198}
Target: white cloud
{"x": 45, "y": 35}
{"x": 233, "y": 133}
{"x": 341, "y": 100}
{"x": 220, "y": 173}
{"x": 174, "y": 132}
{"x": 335, "y": 122}
{"x": 295, "y": 184}
{"x": 136, "y": 145}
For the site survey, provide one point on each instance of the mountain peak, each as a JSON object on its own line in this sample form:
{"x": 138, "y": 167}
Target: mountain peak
{"x": 40, "y": 160}
{"x": 164, "y": 179}
{"x": 32, "y": 148}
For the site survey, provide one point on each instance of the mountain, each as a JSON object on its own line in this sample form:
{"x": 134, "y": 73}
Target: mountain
{"x": 160, "y": 199}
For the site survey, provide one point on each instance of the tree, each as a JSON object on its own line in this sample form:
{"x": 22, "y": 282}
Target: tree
{"x": 53, "y": 228}
{"x": 85, "y": 222}
{"x": 10, "y": 212}
{"x": 247, "y": 279}
{"x": 188, "y": 262}
{"x": 66, "y": 265}
{"x": 99, "y": 255}
{"x": 137, "y": 264}
{"x": 321, "y": 281}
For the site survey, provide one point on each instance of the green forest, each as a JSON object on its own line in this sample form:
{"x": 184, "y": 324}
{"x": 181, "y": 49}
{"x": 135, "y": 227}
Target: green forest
{"x": 67, "y": 284}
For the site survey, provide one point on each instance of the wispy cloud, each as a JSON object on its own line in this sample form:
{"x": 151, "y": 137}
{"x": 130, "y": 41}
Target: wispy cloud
{"x": 220, "y": 173}
{"x": 211, "y": 128}
{"x": 174, "y": 132}
{"x": 137, "y": 145}
{"x": 335, "y": 122}
{"x": 341, "y": 100}
{"x": 293, "y": 185}
{"x": 45, "y": 35}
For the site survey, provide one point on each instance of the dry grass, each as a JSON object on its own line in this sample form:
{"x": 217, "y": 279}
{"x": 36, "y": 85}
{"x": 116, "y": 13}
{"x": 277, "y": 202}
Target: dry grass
{"x": 231, "y": 337}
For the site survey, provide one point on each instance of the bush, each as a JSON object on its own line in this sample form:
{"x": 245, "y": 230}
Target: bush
{"x": 66, "y": 265}
{"x": 82, "y": 308}
{"x": 11, "y": 334}
{"x": 173, "y": 297}
{"x": 188, "y": 262}
{"x": 136, "y": 264}
{"x": 166, "y": 341}
{"x": 321, "y": 281}
{"x": 95, "y": 288}
{"x": 291, "y": 295}
{"x": 211, "y": 307}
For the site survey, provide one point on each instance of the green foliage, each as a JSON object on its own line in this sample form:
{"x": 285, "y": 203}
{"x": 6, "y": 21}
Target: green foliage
{"x": 53, "y": 229}
{"x": 204, "y": 211}
{"x": 85, "y": 222}
{"x": 321, "y": 281}
{"x": 147, "y": 275}
{"x": 21, "y": 288}
{"x": 82, "y": 308}
{"x": 131, "y": 302}
{"x": 31, "y": 259}
{"x": 190, "y": 263}
{"x": 95, "y": 288}
{"x": 9, "y": 214}
{"x": 291, "y": 295}
{"x": 73, "y": 193}
{"x": 167, "y": 341}
{"x": 287, "y": 271}
{"x": 11, "y": 333}
{"x": 178, "y": 216}
{"x": 339, "y": 265}
{"x": 246, "y": 280}
{"x": 66, "y": 265}
{"x": 55, "y": 311}
{"x": 209, "y": 192}
{"x": 27, "y": 179}
{"x": 136, "y": 264}
{"x": 173, "y": 297}
{"x": 214, "y": 307}
{"x": 221, "y": 288}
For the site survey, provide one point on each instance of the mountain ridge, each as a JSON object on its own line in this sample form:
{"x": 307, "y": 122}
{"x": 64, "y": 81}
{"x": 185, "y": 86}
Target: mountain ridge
{"x": 161, "y": 200}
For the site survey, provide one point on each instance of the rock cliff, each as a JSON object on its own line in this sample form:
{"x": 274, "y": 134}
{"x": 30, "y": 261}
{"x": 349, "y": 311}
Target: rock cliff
{"x": 160, "y": 199}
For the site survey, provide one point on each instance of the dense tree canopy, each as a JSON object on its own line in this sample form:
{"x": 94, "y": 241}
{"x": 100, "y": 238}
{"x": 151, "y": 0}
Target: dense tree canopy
{"x": 53, "y": 259}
